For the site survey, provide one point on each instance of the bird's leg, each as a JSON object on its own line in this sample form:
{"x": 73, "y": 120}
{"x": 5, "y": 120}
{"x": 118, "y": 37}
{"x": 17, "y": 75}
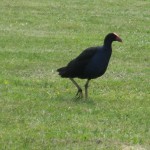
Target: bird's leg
{"x": 86, "y": 88}
{"x": 79, "y": 92}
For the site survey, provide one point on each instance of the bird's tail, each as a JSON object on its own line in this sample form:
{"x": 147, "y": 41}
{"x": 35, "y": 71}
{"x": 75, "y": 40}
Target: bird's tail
{"x": 62, "y": 71}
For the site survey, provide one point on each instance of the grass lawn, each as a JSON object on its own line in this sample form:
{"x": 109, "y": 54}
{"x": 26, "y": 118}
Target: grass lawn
{"x": 38, "y": 109}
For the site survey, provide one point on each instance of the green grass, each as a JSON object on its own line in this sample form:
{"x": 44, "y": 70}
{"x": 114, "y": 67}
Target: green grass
{"x": 38, "y": 109}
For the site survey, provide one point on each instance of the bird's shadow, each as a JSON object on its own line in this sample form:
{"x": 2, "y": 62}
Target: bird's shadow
{"x": 74, "y": 99}
{"x": 88, "y": 101}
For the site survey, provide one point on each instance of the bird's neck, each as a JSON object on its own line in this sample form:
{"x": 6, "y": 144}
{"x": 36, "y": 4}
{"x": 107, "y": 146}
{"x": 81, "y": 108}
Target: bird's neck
{"x": 107, "y": 44}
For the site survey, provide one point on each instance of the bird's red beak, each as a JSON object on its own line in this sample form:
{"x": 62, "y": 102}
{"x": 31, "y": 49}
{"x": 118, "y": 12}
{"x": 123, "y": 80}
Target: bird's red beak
{"x": 118, "y": 39}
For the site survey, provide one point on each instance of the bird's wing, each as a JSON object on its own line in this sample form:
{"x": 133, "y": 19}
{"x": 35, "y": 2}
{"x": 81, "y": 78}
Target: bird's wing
{"x": 76, "y": 67}
{"x": 84, "y": 57}
{"x": 87, "y": 54}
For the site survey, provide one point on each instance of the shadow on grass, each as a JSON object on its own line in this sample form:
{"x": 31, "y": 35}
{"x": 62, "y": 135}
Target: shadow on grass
{"x": 84, "y": 101}
{"x": 73, "y": 99}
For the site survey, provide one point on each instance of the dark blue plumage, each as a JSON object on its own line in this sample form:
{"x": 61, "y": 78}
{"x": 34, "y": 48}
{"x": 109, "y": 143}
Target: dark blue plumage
{"x": 91, "y": 63}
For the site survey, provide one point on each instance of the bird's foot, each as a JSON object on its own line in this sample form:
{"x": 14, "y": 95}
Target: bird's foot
{"x": 79, "y": 94}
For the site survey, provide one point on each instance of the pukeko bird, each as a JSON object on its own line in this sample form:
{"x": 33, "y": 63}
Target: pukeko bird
{"x": 90, "y": 64}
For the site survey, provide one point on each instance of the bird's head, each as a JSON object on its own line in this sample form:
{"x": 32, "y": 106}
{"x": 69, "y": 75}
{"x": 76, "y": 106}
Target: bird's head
{"x": 117, "y": 38}
{"x": 110, "y": 38}
{"x": 113, "y": 37}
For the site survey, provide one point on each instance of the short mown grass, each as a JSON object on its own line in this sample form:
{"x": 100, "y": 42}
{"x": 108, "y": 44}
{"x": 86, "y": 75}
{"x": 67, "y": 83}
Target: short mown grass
{"x": 39, "y": 109}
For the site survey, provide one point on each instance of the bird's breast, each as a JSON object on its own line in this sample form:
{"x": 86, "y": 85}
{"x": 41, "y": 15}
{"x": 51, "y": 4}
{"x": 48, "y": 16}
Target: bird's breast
{"x": 97, "y": 65}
